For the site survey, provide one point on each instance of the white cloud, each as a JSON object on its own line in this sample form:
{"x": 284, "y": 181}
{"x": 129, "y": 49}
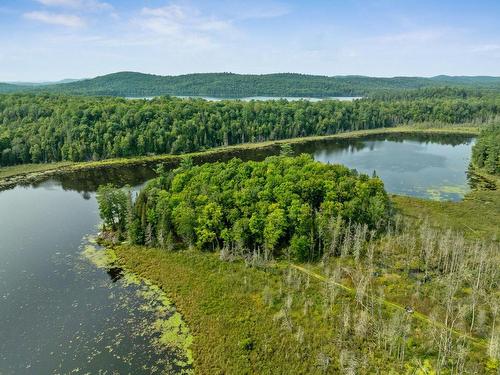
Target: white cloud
{"x": 64, "y": 3}
{"x": 89, "y": 5}
{"x": 257, "y": 11}
{"x": 175, "y": 18}
{"x": 181, "y": 25}
{"x": 169, "y": 11}
{"x": 68, "y": 20}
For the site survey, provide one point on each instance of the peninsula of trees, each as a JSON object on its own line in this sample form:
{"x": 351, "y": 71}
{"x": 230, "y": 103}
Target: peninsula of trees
{"x": 308, "y": 258}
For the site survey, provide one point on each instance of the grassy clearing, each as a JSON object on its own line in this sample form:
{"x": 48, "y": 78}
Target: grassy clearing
{"x": 248, "y": 320}
{"x": 226, "y": 311}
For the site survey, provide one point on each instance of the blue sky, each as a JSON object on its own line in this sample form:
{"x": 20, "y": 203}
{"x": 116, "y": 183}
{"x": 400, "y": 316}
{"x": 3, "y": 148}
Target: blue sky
{"x": 55, "y": 39}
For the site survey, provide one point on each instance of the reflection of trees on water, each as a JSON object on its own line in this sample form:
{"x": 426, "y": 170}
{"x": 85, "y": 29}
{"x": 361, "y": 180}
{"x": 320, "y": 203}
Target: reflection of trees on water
{"x": 87, "y": 181}
{"x": 355, "y": 145}
{"x": 351, "y": 146}
{"x": 442, "y": 139}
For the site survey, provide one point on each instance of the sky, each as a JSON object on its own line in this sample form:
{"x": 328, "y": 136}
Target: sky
{"x": 47, "y": 40}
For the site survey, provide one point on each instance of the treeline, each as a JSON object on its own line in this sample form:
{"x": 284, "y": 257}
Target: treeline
{"x": 283, "y": 205}
{"x": 48, "y": 128}
{"x": 486, "y": 151}
{"x": 229, "y": 85}
{"x": 445, "y": 92}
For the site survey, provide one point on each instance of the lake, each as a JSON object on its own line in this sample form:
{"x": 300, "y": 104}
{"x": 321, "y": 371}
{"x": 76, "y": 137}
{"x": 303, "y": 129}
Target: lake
{"x": 61, "y": 313}
{"x": 431, "y": 167}
{"x": 261, "y": 98}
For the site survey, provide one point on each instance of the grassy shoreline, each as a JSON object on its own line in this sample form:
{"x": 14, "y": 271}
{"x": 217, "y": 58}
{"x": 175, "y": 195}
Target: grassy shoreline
{"x": 30, "y": 173}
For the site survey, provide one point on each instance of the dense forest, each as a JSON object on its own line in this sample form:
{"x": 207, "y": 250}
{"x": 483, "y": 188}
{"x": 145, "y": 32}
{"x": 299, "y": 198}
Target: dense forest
{"x": 47, "y": 128}
{"x": 229, "y": 85}
{"x": 435, "y": 93}
{"x": 284, "y": 203}
{"x": 486, "y": 152}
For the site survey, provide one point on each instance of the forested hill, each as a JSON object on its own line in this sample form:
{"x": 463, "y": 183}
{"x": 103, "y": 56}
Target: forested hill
{"x": 131, "y": 84}
{"x": 8, "y": 88}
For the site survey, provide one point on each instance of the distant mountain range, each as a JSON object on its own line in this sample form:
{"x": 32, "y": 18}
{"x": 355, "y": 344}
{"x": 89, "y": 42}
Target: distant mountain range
{"x": 230, "y": 85}
{"x": 68, "y": 80}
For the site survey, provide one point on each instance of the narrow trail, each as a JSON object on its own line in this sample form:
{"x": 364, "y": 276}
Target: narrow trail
{"x": 415, "y": 314}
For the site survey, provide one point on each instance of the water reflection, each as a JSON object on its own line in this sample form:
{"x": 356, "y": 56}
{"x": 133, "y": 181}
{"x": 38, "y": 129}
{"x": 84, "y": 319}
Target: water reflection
{"x": 412, "y": 164}
{"x": 426, "y": 166}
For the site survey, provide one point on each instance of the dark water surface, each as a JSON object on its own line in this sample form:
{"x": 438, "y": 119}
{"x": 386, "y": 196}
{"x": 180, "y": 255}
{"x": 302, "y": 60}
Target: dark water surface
{"x": 59, "y": 313}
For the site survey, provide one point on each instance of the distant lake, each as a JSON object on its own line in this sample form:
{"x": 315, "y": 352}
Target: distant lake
{"x": 260, "y": 98}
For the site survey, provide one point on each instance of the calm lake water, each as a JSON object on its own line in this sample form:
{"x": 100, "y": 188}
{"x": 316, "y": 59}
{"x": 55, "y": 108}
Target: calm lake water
{"x": 262, "y": 98}
{"x": 60, "y": 313}
{"x": 431, "y": 167}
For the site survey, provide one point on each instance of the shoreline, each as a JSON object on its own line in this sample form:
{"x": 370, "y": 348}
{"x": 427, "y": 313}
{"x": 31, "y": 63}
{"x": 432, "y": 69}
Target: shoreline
{"x": 33, "y": 173}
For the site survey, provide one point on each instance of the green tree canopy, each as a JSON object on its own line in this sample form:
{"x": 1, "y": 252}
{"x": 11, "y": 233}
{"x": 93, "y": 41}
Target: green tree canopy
{"x": 282, "y": 204}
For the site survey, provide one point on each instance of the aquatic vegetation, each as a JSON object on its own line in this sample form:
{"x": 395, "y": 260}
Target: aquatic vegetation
{"x": 165, "y": 326}
{"x": 446, "y": 192}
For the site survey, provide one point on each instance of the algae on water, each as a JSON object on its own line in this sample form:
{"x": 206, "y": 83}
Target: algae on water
{"x": 166, "y": 327}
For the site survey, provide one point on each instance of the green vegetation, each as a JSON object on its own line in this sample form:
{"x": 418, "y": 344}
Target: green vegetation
{"x": 47, "y": 128}
{"x": 230, "y": 85}
{"x": 24, "y": 169}
{"x": 113, "y": 208}
{"x": 486, "y": 152}
{"x": 281, "y": 204}
{"x": 168, "y": 331}
{"x": 477, "y": 216}
{"x": 416, "y": 298}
